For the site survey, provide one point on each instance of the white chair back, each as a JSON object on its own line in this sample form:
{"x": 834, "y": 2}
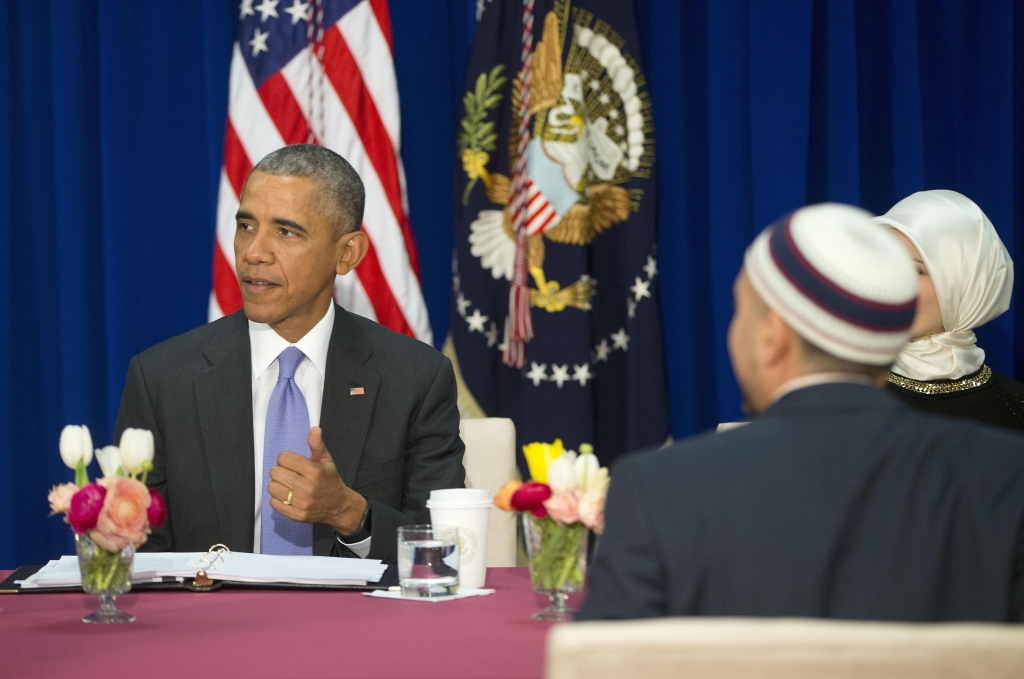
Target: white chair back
{"x": 490, "y": 463}
{"x": 773, "y": 648}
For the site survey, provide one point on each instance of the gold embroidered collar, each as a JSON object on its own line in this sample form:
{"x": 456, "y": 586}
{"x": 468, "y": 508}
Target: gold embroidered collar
{"x": 932, "y": 388}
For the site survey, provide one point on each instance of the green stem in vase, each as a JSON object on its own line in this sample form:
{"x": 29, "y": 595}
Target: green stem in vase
{"x": 108, "y": 571}
{"x": 570, "y": 555}
{"x": 557, "y": 557}
{"x": 550, "y": 551}
{"x": 104, "y": 568}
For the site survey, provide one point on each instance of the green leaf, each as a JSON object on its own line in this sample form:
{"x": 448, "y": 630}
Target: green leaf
{"x": 477, "y": 133}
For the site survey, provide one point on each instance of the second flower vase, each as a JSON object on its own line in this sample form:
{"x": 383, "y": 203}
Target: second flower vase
{"x": 558, "y": 563}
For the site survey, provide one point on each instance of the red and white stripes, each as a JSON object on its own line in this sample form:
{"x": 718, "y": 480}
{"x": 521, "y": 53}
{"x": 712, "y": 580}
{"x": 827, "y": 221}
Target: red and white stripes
{"x": 354, "y": 112}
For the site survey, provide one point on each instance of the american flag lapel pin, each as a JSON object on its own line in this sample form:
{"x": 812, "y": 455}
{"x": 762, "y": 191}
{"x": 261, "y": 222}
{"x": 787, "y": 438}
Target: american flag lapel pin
{"x": 356, "y": 391}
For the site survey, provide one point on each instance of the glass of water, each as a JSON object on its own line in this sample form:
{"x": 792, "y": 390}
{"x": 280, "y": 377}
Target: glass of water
{"x": 428, "y": 561}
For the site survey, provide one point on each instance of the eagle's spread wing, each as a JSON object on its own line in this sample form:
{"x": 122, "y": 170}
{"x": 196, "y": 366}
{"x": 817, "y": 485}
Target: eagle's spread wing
{"x": 497, "y": 189}
{"x": 546, "y": 75}
{"x": 574, "y": 227}
{"x": 609, "y": 205}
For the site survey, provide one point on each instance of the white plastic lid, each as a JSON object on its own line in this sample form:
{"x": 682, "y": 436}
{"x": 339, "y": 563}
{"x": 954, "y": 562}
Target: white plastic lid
{"x": 469, "y": 498}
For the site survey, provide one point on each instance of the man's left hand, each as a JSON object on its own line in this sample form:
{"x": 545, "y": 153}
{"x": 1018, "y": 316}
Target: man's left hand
{"x": 319, "y": 495}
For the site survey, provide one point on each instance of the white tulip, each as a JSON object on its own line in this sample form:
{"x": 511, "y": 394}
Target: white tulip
{"x": 600, "y": 481}
{"x": 586, "y": 468}
{"x": 561, "y": 476}
{"x": 109, "y": 458}
{"x": 136, "y": 449}
{"x": 76, "y": 445}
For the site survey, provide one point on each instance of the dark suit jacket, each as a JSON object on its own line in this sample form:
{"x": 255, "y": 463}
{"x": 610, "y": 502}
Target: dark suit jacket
{"x": 394, "y": 444}
{"x": 838, "y": 502}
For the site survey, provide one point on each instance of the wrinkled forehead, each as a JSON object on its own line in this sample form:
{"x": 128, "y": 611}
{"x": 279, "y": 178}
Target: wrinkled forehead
{"x": 287, "y": 189}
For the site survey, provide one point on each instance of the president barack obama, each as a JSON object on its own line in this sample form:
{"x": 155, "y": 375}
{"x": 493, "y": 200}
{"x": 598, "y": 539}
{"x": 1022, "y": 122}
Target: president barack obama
{"x": 293, "y": 426}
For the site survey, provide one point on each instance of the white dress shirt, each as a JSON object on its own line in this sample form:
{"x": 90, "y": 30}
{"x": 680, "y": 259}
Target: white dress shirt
{"x": 265, "y": 346}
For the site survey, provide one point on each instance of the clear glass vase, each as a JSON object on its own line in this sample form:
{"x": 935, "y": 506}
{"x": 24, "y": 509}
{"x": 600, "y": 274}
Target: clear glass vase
{"x": 558, "y": 563}
{"x": 106, "y": 574}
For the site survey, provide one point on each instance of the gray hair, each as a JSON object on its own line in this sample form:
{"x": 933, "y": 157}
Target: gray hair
{"x": 341, "y": 197}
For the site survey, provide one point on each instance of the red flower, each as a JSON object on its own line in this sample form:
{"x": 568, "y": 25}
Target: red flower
{"x": 85, "y": 507}
{"x": 157, "y": 511}
{"x": 530, "y": 498}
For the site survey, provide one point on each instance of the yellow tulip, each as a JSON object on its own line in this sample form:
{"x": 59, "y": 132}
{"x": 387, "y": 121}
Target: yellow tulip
{"x": 539, "y": 456}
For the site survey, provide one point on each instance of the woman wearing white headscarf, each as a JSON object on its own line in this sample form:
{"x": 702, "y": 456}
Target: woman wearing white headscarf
{"x": 966, "y": 279}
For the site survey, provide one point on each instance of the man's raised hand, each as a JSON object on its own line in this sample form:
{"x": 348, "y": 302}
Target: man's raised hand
{"x": 318, "y": 494}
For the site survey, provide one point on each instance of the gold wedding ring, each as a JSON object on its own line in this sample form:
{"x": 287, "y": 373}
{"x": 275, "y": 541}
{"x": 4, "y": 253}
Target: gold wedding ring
{"x": 288, "y": 500}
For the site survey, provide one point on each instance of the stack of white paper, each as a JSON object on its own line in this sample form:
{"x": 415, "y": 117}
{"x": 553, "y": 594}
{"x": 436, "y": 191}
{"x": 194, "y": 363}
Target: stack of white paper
{"x": 234, "y": 567}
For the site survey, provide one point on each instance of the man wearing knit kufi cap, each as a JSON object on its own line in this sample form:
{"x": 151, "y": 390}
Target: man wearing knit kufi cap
{"x": 842, "y": 292}
{"x": 836, "y": 500}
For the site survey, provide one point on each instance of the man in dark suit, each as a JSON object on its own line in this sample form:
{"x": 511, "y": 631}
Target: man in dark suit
{"x": 837, "y": 500}
{"x": 294, "y": 426}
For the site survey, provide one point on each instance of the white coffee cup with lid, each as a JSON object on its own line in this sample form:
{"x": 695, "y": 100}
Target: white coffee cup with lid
{"x": 469, "y": 510}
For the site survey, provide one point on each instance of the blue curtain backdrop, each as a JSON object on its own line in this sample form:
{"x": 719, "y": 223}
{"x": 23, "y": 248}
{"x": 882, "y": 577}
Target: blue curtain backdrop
{"x": 111, "y": 122}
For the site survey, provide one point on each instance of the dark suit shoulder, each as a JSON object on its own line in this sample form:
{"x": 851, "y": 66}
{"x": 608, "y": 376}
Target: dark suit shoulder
{"x": 178, "y": 350}
{"x": 870, "y": 420}
{"x": 395, "y": 347}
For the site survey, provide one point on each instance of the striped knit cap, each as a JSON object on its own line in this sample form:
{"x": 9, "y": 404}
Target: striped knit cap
{"x": 841, "y": 282}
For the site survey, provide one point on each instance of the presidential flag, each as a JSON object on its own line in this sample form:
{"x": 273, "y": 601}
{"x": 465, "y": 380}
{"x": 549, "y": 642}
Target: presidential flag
{"x": 321, "y": 72}
{"x": 555, "y": 319}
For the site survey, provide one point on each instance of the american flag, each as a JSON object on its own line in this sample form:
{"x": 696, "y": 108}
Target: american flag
{"x": 321, "y": 71}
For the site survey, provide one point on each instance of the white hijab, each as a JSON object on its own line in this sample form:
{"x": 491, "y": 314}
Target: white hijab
{"x": 972, "y": 273}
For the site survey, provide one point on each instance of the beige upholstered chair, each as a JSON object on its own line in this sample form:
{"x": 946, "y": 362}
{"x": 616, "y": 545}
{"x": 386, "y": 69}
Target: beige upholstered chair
{"x": 490, "y": 463}
{"x": 744, "y": 648}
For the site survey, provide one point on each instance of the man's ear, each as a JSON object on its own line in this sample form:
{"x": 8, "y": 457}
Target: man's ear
{"x": 776, "y": 340}
{"x": 352, "y": 248}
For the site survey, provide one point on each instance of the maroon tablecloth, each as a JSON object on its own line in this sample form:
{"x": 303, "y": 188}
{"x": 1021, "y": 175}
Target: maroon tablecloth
{"x": 247, "y": 633}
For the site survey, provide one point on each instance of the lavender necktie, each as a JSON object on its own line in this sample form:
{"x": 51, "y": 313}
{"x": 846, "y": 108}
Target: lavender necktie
{"x": 287, "y": 429}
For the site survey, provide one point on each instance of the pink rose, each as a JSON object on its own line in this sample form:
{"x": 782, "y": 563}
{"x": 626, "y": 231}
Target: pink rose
{"x": 157, "y": 509}
{"x": 591, "y": 508}
{"x": 124, "y": 518}
{"x": 563, "y": 507}
{"x": 85, "y": 507}
{"x": 60, "y": 497}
